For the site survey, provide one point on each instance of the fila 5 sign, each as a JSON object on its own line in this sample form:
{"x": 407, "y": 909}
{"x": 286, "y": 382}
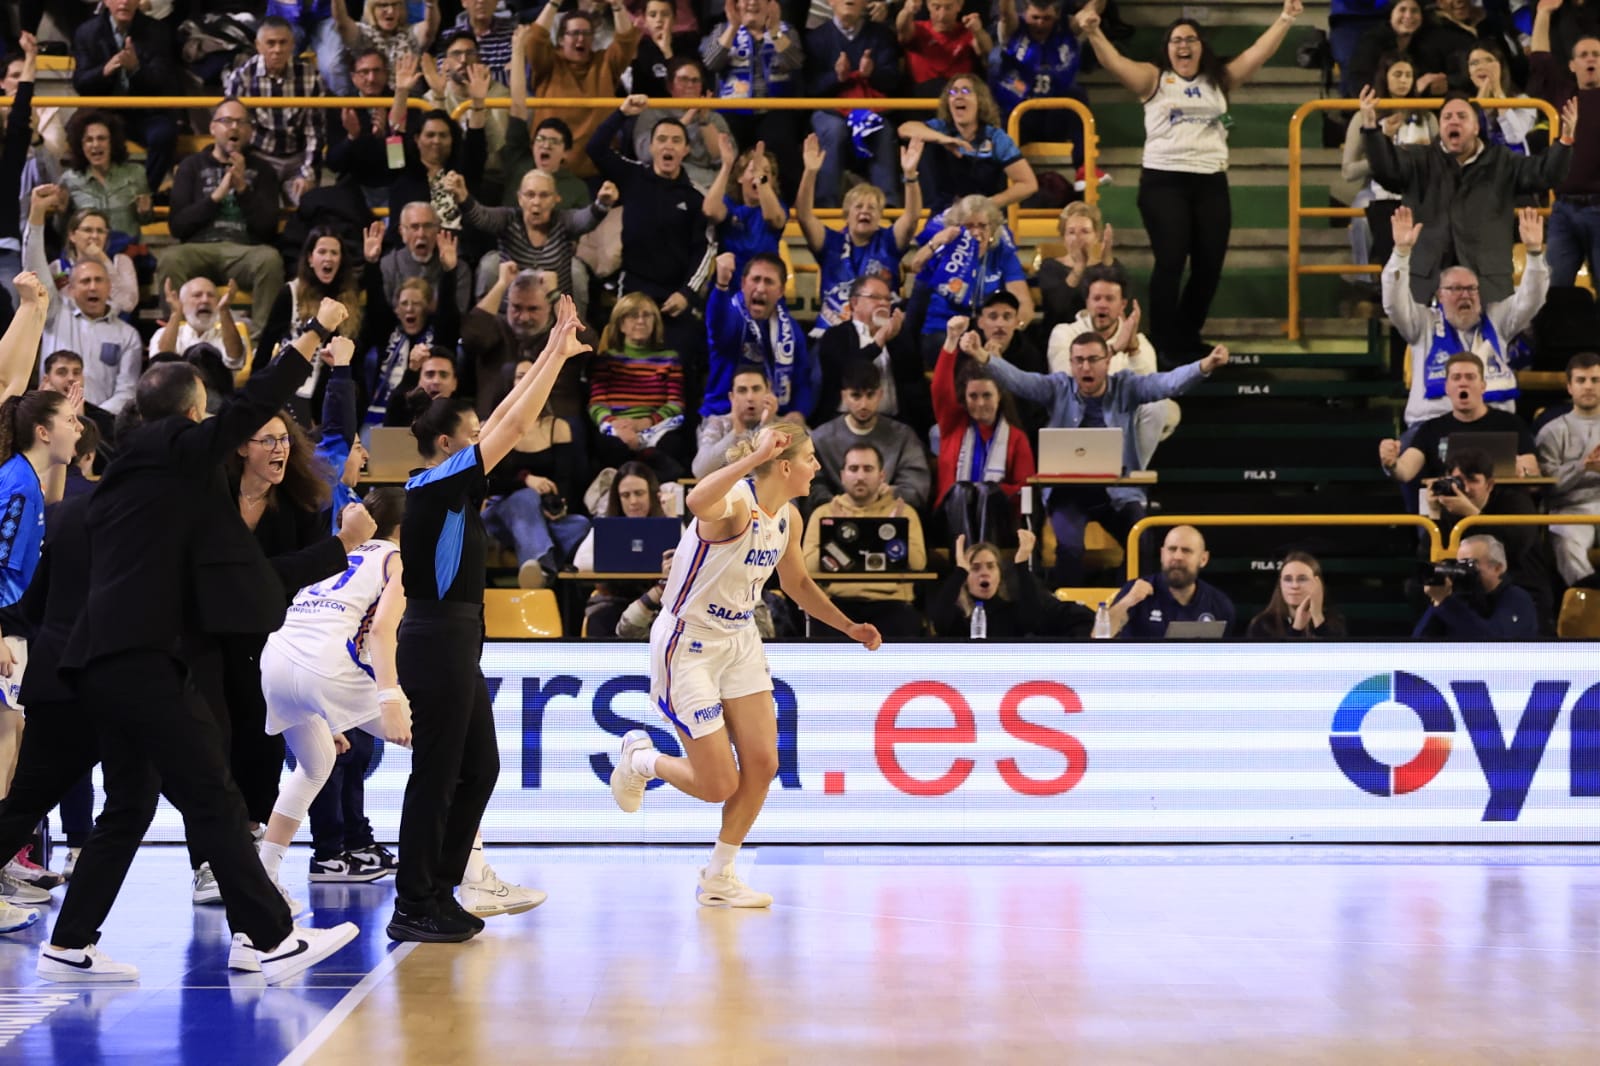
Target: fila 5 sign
{"x": 1045, "y": 743}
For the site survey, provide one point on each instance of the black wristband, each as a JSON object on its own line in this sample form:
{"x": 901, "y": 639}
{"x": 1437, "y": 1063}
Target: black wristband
{"x": 311, "y": 325}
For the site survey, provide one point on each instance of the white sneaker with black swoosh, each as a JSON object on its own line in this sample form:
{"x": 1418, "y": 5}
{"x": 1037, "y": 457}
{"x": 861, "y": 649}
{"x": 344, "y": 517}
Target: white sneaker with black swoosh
{"x": 75, "y": 965}
{"x": 303, "y": 949}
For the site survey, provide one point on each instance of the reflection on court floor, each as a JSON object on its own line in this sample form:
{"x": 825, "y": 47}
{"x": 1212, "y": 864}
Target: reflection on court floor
{"x": 874, "y": 955}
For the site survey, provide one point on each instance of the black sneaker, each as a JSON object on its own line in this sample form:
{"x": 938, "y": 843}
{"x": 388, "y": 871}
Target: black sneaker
{"x": 376, "y": 855}
{"x": 448, "y": 904}
{"x": 344, "y": 869}
{"x": 429, "y": 927}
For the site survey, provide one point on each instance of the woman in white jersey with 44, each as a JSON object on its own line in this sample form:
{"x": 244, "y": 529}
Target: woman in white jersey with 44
{"x": 708, "y": 674}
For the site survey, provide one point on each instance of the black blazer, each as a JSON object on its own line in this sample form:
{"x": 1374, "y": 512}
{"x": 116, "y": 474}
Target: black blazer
{"x": 94, "y": 45}
{"x": 56, "y": 597}
{"x": 170, "y": 555}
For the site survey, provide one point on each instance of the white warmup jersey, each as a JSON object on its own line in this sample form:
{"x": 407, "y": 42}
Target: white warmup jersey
{"x": 714, "y": 586}
{"x": 325, "y": 631}
{"x": 1185, "y": 126}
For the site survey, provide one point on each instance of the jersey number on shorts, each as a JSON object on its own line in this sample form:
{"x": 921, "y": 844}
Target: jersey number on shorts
{"x": 344, "y": 579}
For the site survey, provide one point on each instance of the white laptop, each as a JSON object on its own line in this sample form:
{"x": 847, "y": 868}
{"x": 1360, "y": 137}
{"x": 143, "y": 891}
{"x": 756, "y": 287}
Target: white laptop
{"x": 1080, "y": 453}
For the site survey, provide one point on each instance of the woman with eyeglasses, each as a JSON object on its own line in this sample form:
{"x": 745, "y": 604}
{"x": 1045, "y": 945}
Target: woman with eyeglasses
{"x": 963, "y": 265}
{"x": 1183, "y": 186}
{"x": 686, "y": 80}
{"x": 384, "y": 26}
{"x": 1297, "y": 610}
{"x": 283, "y": 493}
{"x": 636, "y": 392}
{"x": 969, "y": 153}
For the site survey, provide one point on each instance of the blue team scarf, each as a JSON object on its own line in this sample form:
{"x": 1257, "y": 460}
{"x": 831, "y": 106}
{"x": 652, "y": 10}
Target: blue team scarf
{"x": 773, "y": 348}
{"x": 1447, "y": 342}
{"x": 747, "y": 50}
{"x": 392, "y": 367}
{"x": 863, "y": 124}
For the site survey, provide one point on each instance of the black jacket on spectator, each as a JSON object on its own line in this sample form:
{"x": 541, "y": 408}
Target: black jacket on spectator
{"x": 664, "y": 247}
{"x": 364, "y": 159}
{"x": 1028, "y": 610}
{"x": 56, "y": 598}
{"x": 841, "y": 345}
{"x": 94, "y": 44}
{"x": 1466, "y": 212}
{"x": 170, "y": 554}
{"x": 193, "y": 210}
{"x": 411, "y": 186}
{"x": 13, "y": 157}
{"x": 1504, "y": 614}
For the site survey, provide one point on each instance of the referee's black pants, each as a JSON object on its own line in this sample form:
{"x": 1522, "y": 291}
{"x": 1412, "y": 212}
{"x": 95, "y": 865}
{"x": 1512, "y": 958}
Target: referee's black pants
{"x": 158, "y": 735}
{"x": 454, "y": 757}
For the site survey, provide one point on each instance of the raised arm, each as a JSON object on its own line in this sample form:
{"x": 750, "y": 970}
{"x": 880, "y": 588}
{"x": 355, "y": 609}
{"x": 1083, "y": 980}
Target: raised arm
{"x": 772, "y": 212}
{"x": 905, "y": 227}
{"x": 1138, "y": 78}
{"x": 525, "y": 402}
{"x": 426, "y": 30}
{"x": 349, "y": 30}
{"x": 519, "y": 67}
{"x": 805, "y": 197}
{"x": 715, "y": 206}
{"x": 1245, "y": 65}
{"x": 19, "y": 347}
{"x": 1539, "y": 38}
{"x": 905, "y": 23}
{"x": 1413, "y": 320}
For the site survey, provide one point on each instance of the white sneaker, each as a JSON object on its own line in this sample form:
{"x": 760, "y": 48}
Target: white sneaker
{"x": 628, "y": 784}
{"x": 71, "y": 965}
{"x": 303, "y": 949}
{"x": 15, "y": 892}
{"x": 205, "y": 886}
{"x": 726, "y": 890}
{"x": 14, "y": 918}
{"x": 242, "y": 955}
{"x": 492, "y": 896}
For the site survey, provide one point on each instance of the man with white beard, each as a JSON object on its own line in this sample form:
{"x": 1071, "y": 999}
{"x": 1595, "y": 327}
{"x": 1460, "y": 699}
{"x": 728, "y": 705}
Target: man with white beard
{"x": 200, "y": 315}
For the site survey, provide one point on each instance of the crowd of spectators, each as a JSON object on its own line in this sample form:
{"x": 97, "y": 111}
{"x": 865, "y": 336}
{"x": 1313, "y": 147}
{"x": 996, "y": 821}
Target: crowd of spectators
{"x": 938, "y": 351}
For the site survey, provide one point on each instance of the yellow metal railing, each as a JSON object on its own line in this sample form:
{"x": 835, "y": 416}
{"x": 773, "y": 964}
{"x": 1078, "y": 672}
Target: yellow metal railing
{"x": 1427, "y": 525}
{"x": 123, "y": 103}
{"x": 1464, "y": 528}
{"x": 1297, "y": 211}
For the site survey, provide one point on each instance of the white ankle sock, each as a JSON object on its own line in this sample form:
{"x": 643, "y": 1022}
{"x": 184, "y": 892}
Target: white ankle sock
{"x": 644, "y": 762}
{"x": 722, "y": 856}
{"x": 475, "y": 862}
{"x": 272, "y": 857}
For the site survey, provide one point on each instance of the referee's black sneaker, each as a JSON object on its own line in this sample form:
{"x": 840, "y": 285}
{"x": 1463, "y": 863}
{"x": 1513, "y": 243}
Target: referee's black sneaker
{"x": 431, "y": 926}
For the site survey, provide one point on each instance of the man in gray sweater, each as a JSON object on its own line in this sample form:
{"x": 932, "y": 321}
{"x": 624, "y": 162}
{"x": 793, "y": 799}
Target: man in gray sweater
{"x": 1569, "y": 451}
{"x": 905, "y": 464}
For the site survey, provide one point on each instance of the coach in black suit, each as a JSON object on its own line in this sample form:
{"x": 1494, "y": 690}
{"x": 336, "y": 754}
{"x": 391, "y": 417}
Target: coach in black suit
{"x": 121, "y": 51}
{"x": 173, "y": 566}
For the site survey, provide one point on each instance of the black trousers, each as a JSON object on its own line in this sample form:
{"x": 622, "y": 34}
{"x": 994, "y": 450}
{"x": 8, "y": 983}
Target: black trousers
{"x": 229, "y": 678}
{"x": 59, "y": 748}
{"x": 158, "y": 735}
{"x": 454, "y": 757}
{"x": 1188, "y": 218}
{"x": 339, "y": 813}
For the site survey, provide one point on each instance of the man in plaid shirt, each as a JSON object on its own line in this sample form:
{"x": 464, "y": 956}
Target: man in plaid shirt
{"x": 289, "y": 139}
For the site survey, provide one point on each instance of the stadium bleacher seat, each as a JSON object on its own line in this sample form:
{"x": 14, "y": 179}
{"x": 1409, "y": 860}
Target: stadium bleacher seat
{"x": 518, "y": 614}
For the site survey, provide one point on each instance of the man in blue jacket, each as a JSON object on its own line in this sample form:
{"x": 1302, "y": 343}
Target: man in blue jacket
{"x": 1500, "y": 611}
{"x": 752, "y": 327}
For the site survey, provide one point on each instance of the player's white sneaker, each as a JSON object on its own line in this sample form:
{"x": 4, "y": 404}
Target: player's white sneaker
{"x": 628, "y": 784}
{"x": 13, "y": 919}
{"x": 73, "y": 965}
{"x": 296, "y": 908}
{"x": 492, "y": 896}
{"x": 242, "y": 955}
{"x": 724, "y": 889}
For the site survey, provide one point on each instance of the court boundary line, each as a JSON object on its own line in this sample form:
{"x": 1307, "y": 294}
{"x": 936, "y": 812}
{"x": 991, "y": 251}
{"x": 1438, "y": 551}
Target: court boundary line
{"x": 345, "y": 1007}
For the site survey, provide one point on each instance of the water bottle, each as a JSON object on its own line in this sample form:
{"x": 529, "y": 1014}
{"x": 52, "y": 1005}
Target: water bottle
{"x": 1102, "y": 623}
{"x": 980, "y": 622}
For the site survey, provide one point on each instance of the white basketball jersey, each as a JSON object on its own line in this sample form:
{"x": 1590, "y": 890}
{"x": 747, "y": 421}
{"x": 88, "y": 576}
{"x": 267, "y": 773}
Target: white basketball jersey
{"x": 326, "y": 628}
{"x": 714, "y": 586}
{"x": 1185, "y": 126}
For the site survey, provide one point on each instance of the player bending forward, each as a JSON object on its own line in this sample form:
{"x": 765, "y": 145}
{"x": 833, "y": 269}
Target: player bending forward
{"x": 707, "y": 668}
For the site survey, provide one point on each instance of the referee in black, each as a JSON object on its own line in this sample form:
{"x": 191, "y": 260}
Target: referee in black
{"x": 172, "y": 564}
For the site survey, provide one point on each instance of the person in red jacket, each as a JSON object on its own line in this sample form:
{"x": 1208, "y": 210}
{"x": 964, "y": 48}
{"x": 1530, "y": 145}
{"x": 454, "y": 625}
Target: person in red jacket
{"x": 980, "y": 438}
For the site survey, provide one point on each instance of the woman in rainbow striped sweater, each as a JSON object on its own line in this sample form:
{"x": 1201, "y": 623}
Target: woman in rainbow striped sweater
{"x": 636, "y": 392}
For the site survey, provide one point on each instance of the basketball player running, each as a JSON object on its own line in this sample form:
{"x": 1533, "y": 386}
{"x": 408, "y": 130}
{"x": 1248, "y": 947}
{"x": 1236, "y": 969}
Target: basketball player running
{"x": 707, "y": 668}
